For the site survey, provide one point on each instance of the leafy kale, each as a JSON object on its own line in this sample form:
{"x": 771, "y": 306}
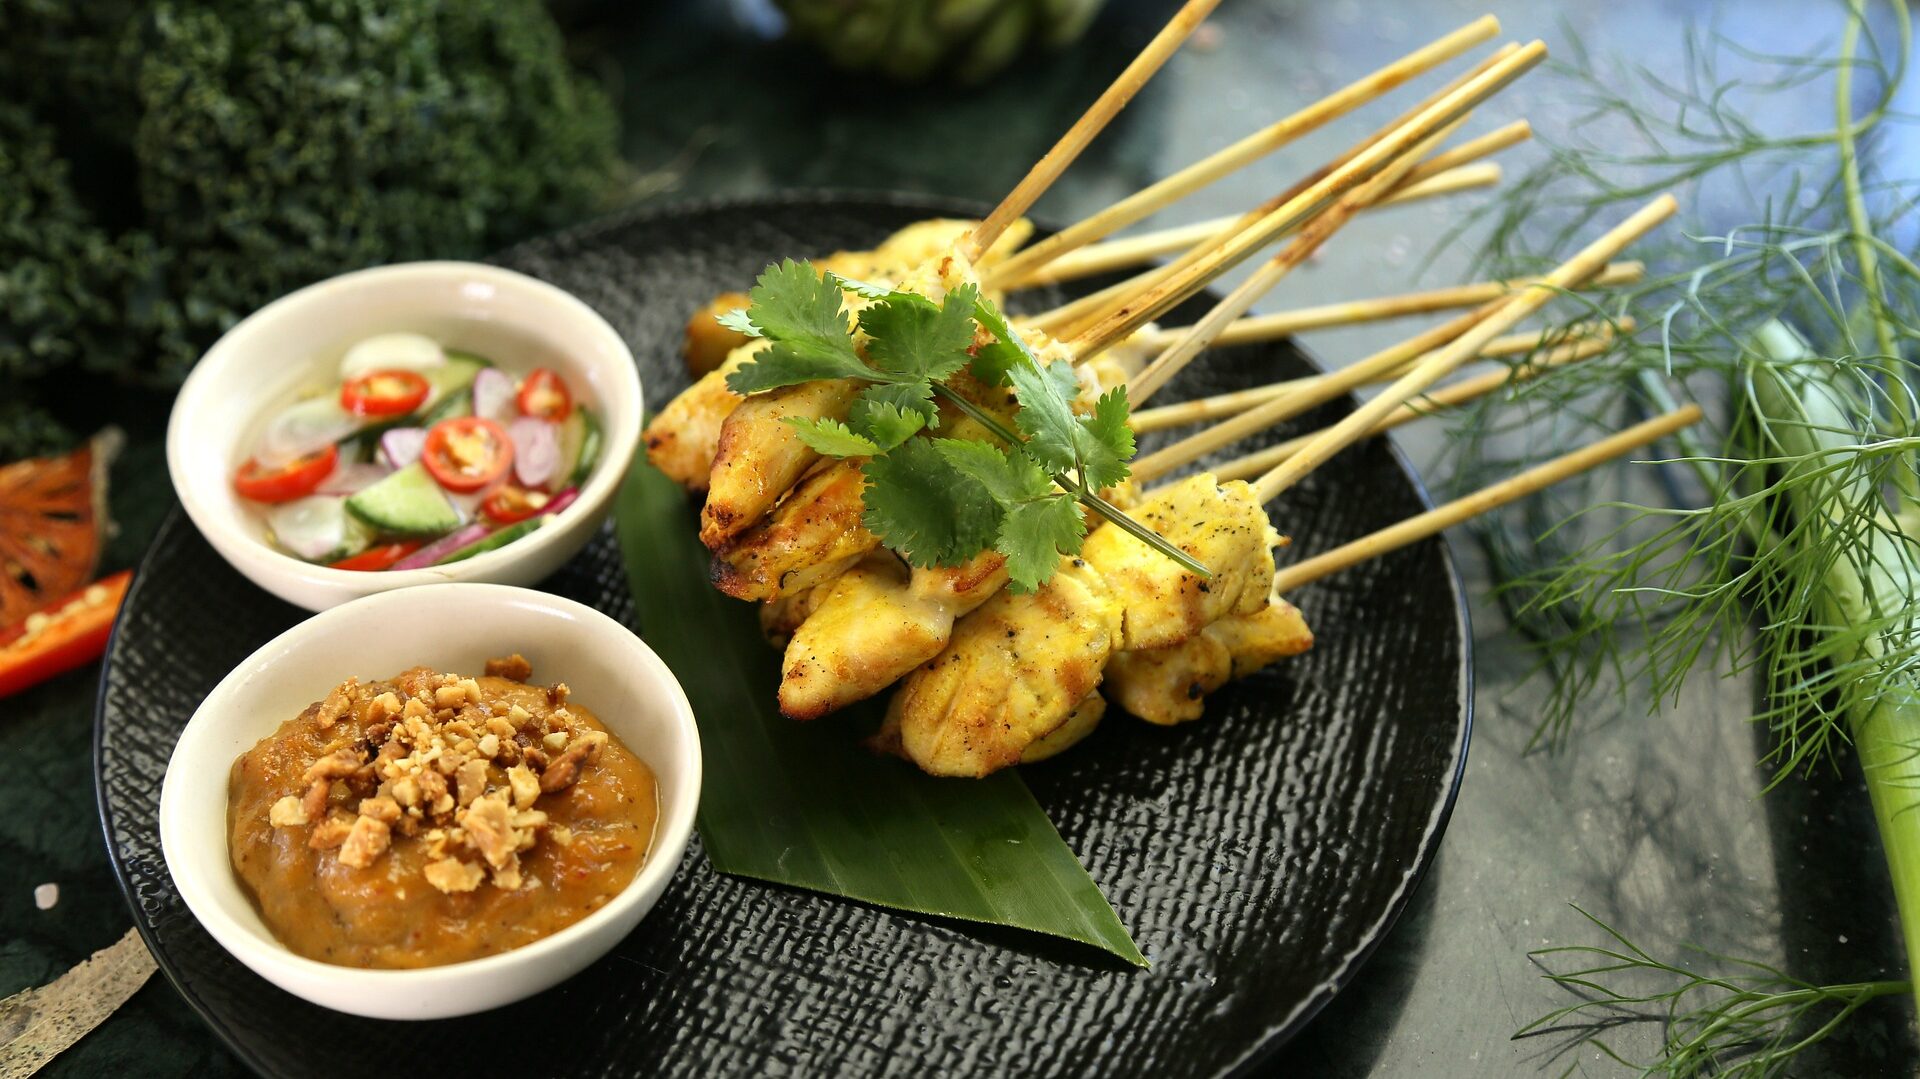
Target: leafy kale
{"x": 181, "y": 163}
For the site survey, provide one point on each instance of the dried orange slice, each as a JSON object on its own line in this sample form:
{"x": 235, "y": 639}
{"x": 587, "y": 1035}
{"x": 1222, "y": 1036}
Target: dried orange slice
{"x": 52, "y": 524}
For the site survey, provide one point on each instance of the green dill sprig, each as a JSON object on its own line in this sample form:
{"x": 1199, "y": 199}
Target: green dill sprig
{"x": 941, "y": 501}
{"x": 1750, "y": 1020}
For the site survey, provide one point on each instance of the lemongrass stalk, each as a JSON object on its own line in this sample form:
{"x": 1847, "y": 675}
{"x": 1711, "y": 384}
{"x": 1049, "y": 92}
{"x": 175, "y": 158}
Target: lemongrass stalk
{"x": 1871, "y": 581}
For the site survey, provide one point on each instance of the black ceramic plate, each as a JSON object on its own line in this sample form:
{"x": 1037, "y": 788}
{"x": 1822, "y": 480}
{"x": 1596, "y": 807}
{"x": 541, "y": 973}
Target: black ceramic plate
{"x": 1258, "y": 856}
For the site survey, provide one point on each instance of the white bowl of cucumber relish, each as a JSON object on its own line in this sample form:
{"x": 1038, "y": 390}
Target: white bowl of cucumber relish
{"x": 404, "y": 425}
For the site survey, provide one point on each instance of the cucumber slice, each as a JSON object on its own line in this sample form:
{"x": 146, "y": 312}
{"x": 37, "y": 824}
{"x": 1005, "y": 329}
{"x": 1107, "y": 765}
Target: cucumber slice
{"x": 407, "y": 503}
{"x": 451, "y": 379}
{"x": 495, "y": 540}
{"x": 579, "y": 448}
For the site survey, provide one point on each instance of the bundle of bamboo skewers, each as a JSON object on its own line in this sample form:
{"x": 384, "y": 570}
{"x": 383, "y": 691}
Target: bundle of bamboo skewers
{"x": 1158, "y": 612}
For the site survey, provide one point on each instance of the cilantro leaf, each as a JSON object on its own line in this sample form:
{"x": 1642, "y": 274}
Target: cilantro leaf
{"x": 791, "y": 302}
{"x": 1034, "y": 535}
{"x": 866, "y": 289}
{"x": 739, "y": 321}
{"x": 922, "y": 507}
{"x": 885, "y": 424}
{"x": 1008, "y": 350}
{"x": 801, "y": 313}
{"x": 831, "y": 438}
{"x": 905, "y": 396}
{"x": 1046, "y": 413}
{"x": 1007, "y": 475}
{"x": 913, "y": 339}
{"x": 1105, "y": 440}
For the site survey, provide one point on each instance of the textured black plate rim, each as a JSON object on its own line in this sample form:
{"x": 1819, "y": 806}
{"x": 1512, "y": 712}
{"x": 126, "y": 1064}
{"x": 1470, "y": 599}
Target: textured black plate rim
{"x": 1303, "y": 1013}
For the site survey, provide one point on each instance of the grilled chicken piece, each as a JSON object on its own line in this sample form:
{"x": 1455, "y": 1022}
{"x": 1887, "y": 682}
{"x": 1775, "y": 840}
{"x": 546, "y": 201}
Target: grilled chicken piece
{"x": 1221, "y": 525}
{"x": 1169, "y": 685}
{"x": 682, "y": 439}
{"x": 864, "y": 635}
{"x": 1016, "y": 668}
{"x": 1080, "y": 722}
{"x": 759, "y": 456}
{"x": 1012, "y": 674}
{"x": 686, "y": 456}
{"x": 708, "y": 344}
{"x": 780, "y": 617}
{"x": 816, "y": 528}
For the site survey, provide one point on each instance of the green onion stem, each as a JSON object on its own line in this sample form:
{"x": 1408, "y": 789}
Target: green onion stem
{"x": 1079, "y": 490}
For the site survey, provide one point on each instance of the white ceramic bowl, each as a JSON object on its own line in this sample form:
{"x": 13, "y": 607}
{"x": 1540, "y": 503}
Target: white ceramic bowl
{"x": 449, "y": 627}
{"x": 295, "y": 341}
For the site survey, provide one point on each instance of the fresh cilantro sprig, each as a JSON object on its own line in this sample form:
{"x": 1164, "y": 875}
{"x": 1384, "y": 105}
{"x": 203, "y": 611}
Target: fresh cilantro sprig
{"x": 940, "y": 501}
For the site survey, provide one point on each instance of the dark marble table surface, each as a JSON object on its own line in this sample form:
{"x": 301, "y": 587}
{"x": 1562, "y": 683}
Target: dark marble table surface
{"x": 1654, "y": 823}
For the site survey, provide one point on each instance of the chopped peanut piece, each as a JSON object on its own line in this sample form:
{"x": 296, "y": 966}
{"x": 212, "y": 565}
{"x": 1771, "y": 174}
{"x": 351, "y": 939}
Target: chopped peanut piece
{"x": 382, "y": 809}
{"x": 366, "y": 841}
{"x": 330, "y": 833}
{"x": 472, "y": 780}
{"x": 383, "y": 707}
{"x": 287, "y": 813}
{"x": 337, "y": 704}
{"x": 454, "y": 875}
{"x": 490, "y": 829}
{"x": 556, "y": 741}
{"x": 526, "y": 785}
{"x": 489, "y": 745}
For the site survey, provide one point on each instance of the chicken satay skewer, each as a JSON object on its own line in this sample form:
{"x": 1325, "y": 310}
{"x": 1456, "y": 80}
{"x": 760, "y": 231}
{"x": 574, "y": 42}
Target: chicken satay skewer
{"x": 1156, "y": 196}
{"x": 1082, "y": 313}
{"x": 1052, "y": 647}
{"x": 880, "y": 624}
{"x": 1593, "y": 337}
{"x": 1055, "y": 161}
{"x": 759, "y": 457}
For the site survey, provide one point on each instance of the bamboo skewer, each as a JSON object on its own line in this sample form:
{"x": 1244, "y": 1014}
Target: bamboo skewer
{"x": 1055, "y": 161}
{"x": 1351, "y": 312}
{"x": 1157, "y": 300}
{"x": 1513, "y": 487}
{"x": 1154, "y": 197}
{"x": 1444, "y": 360}
{"x": 1386, "y": 363}
{"x": 1450, "y": 396}
{"x": 1222, "y": 405}
{"x": 1500, "y": 138}
{"x": 1311, "y": 237}
{"x": 1091, "y": 309}
{"x": 1138, "y": 250}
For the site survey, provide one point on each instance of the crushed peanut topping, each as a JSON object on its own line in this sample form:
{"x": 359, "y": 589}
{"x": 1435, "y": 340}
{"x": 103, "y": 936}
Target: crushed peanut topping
{"x": 437, "y": 760}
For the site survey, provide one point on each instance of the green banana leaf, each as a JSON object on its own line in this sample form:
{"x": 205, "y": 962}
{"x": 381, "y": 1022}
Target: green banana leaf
{"x": 804, "y": 804}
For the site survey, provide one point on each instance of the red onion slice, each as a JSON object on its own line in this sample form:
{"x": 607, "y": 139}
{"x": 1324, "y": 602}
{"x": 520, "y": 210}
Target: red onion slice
{"x": 401, "y": 446}
{"x": 348, "y": 478}
{"x": 536, "y": 450}
{"x": 493, "y": 393}
{"x": 444, "y": 546}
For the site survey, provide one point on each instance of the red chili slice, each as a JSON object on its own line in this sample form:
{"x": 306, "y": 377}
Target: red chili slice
{"x": 295, "y": 479}
{"x": 384, "y": 393}
{"x": 60, "y": 635}
{"x": 510, "y": 504}
{"x": 468, "y": 453}
{"x": 545, "y": 396}
{"x": 381, "y": 557}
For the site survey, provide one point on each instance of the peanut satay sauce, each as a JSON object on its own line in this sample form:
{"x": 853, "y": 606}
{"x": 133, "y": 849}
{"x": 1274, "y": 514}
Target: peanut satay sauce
{"x": 431, "y": 818}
